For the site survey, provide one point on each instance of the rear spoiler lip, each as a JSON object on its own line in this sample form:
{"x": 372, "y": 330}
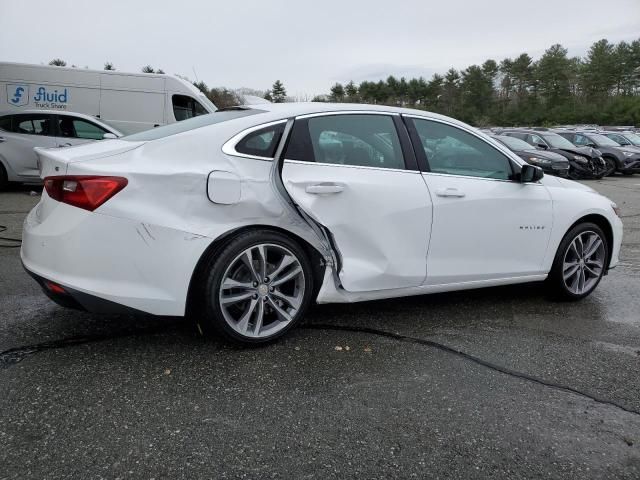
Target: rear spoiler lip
{"x": 60, "y": 156}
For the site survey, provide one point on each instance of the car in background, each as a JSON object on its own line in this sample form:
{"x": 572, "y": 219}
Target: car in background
{"x": 584, "y": 162}
{"x": 624, "y": 138}
{"x": 550, "y": 162}
{"x": 618, "y": 158}
{"x": 21, "y": 132}
{"x": 274, "y": 207}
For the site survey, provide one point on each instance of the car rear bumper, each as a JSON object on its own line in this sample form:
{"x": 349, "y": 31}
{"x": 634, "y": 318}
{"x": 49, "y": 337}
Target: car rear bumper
{"x": 139, "y": 266}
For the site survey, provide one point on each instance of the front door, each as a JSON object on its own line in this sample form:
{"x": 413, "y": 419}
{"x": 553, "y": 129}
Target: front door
{"x": 348, "y": 173}
{"x": 76, "y": 131}
{"x": 486, "y": 224}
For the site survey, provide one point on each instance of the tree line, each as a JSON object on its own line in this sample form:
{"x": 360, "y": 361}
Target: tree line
{"x": 602, "y": 88}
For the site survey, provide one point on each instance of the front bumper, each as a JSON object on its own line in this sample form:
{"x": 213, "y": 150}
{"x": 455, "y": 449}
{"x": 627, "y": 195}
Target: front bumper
{"x": 631, "y": 165}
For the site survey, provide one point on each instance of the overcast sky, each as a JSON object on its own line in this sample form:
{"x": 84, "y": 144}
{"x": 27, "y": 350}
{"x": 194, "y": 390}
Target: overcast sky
{"x": 309, "y": 45}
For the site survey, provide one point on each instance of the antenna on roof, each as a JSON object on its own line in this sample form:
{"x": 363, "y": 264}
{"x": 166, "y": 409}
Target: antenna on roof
{"x": 194, "y": 73}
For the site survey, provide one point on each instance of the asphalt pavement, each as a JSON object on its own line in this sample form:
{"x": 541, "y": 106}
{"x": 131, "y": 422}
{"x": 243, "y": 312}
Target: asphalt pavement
{"x": 493, "y": 383}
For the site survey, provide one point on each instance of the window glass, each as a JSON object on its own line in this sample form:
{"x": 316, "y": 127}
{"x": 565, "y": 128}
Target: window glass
{"x": 456, "y": 152}
{"x": 558, "y": 141}
{"x": 513, "y": 143}
{"x": 70, "y": 127}
{"x": 263, "y": 142}
{"x": 358, "y": 139}
{"x": 186, "y": 107}
{"x": 5, "y": 123}
{"x": 580, "y": 140}
{"x": 191, "y": 124}
{"x": 536, "y": 140}
{"x": 33, "y": 124}
{"x": 613, "y": 136}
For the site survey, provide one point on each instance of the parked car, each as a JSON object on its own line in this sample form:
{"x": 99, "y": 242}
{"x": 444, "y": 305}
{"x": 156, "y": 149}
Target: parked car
{"x": 624, "y": 138}
{"x": 131, "y": 102}
{"x": 618, "y": 158}
{"x": 549, "y": 162}
{"x": 269, "y": 209}
{"x": 21, "y": 132}
{"x": 584, "y": 162}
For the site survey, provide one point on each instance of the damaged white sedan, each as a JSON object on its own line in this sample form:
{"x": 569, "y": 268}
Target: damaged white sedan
{"x": 244, "y": 217}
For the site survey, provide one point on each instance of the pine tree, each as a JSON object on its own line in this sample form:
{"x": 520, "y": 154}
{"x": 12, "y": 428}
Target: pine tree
{"x": 58, "y": 62}
{"x": 148, "y": 69}
{"x": 278, "y": 92}
{"x": 109, "y": 66}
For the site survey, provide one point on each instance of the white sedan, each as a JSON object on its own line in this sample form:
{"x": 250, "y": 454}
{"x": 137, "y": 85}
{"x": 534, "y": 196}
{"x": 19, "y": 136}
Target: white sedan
{"x": 243, "y": 217}
{"x": 23, "y": 130}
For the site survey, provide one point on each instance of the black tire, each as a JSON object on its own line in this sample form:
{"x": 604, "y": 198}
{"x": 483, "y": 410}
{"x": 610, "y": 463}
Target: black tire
{"x": 556, "y": 283}
{"x": 210, "y": 314}
{"x": 611, "y": 166}
{"x": 4, "y": 179}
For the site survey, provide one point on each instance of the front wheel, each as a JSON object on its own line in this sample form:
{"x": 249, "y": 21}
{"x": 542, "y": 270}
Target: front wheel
{"x": 256, "y": 289}
{"x": 580, "y": 262}
{"x": 610, "y": 166}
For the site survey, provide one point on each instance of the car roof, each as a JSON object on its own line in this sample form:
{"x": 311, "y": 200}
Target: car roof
{"x": 307, "y": 108}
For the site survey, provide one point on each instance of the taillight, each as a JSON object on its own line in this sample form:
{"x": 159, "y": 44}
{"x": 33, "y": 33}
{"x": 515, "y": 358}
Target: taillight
{"x": 83, "y": 191}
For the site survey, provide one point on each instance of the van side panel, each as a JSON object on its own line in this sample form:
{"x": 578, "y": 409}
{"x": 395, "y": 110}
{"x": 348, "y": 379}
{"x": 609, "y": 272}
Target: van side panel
{"x": 132, "y": 103}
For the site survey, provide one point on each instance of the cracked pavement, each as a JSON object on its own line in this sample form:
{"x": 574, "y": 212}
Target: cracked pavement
{"x": 493, "y": 383}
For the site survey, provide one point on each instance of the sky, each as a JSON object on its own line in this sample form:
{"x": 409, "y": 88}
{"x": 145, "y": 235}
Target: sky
{"x": 308, "y": 45}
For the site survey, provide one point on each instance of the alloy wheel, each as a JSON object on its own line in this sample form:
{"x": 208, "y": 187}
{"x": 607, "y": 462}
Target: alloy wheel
{"x": 584, "y": 262}
{"x": 262, "y": 290}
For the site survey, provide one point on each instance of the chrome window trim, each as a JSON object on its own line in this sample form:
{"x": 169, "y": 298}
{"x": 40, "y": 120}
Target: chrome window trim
{"x": 362, "y": 167}
{"x": 493, "y": 143}
{"x": 346, "y": 112}
{"x": 471, "y": 177}
{"x": 229, "y": 147}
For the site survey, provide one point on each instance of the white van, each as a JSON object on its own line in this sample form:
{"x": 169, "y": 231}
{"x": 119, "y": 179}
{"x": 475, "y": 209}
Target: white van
{"x": 131, "y": 102}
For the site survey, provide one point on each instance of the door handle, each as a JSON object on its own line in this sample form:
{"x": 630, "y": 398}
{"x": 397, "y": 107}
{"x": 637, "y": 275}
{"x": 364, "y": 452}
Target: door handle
{"x": 64, "y": 145}
{"x": 449, "y": 192}
{"x": 323, "y": 188}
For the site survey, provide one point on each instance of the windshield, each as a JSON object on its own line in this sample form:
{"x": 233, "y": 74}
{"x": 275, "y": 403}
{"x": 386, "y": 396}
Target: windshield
{"x": 633, "y": 138}
{"x": 191, "y": 124}
{"x": 556, "y": 141}
{"x": 514, "y": 143}
{"x": 601, "y": 140}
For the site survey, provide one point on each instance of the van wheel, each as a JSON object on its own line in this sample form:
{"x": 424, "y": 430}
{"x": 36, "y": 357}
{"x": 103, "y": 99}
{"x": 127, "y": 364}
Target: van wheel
{"x": 256, "y": 289}
{"x": 580, "y": 262}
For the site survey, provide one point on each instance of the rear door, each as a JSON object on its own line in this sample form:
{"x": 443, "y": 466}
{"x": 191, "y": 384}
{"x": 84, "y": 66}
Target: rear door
{"x": 355, "y": 174}
{"x": 19, "y": 134}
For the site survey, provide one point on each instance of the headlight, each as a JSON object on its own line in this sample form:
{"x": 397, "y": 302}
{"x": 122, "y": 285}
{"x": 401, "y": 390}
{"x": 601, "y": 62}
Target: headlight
{"x": 580, "y": 159}
{"x": 542, "y": 161}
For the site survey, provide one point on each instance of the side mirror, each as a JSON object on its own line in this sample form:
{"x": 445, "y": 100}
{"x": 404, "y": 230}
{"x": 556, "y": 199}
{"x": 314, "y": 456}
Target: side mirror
{"x": 108, "y": 136}
{"x": 530, "y": 174}
{"x": 542, "y": 146}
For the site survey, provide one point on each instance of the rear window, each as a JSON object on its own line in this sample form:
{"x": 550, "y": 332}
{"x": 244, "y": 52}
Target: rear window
{"x": 191, "y": 124}
{"x": 262, "y": 143}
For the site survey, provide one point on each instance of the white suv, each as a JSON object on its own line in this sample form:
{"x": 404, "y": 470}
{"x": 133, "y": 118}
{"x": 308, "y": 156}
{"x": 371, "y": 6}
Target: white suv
{"x": 21, "y": 132}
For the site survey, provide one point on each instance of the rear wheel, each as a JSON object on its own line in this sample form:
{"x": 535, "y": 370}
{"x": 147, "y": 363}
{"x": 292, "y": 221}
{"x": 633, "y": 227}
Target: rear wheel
{"x": 610, "y": 166}
{"x": 256, "y": 289}
{"x": 580, "y": 262}
{"x": 4, "y": 179}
